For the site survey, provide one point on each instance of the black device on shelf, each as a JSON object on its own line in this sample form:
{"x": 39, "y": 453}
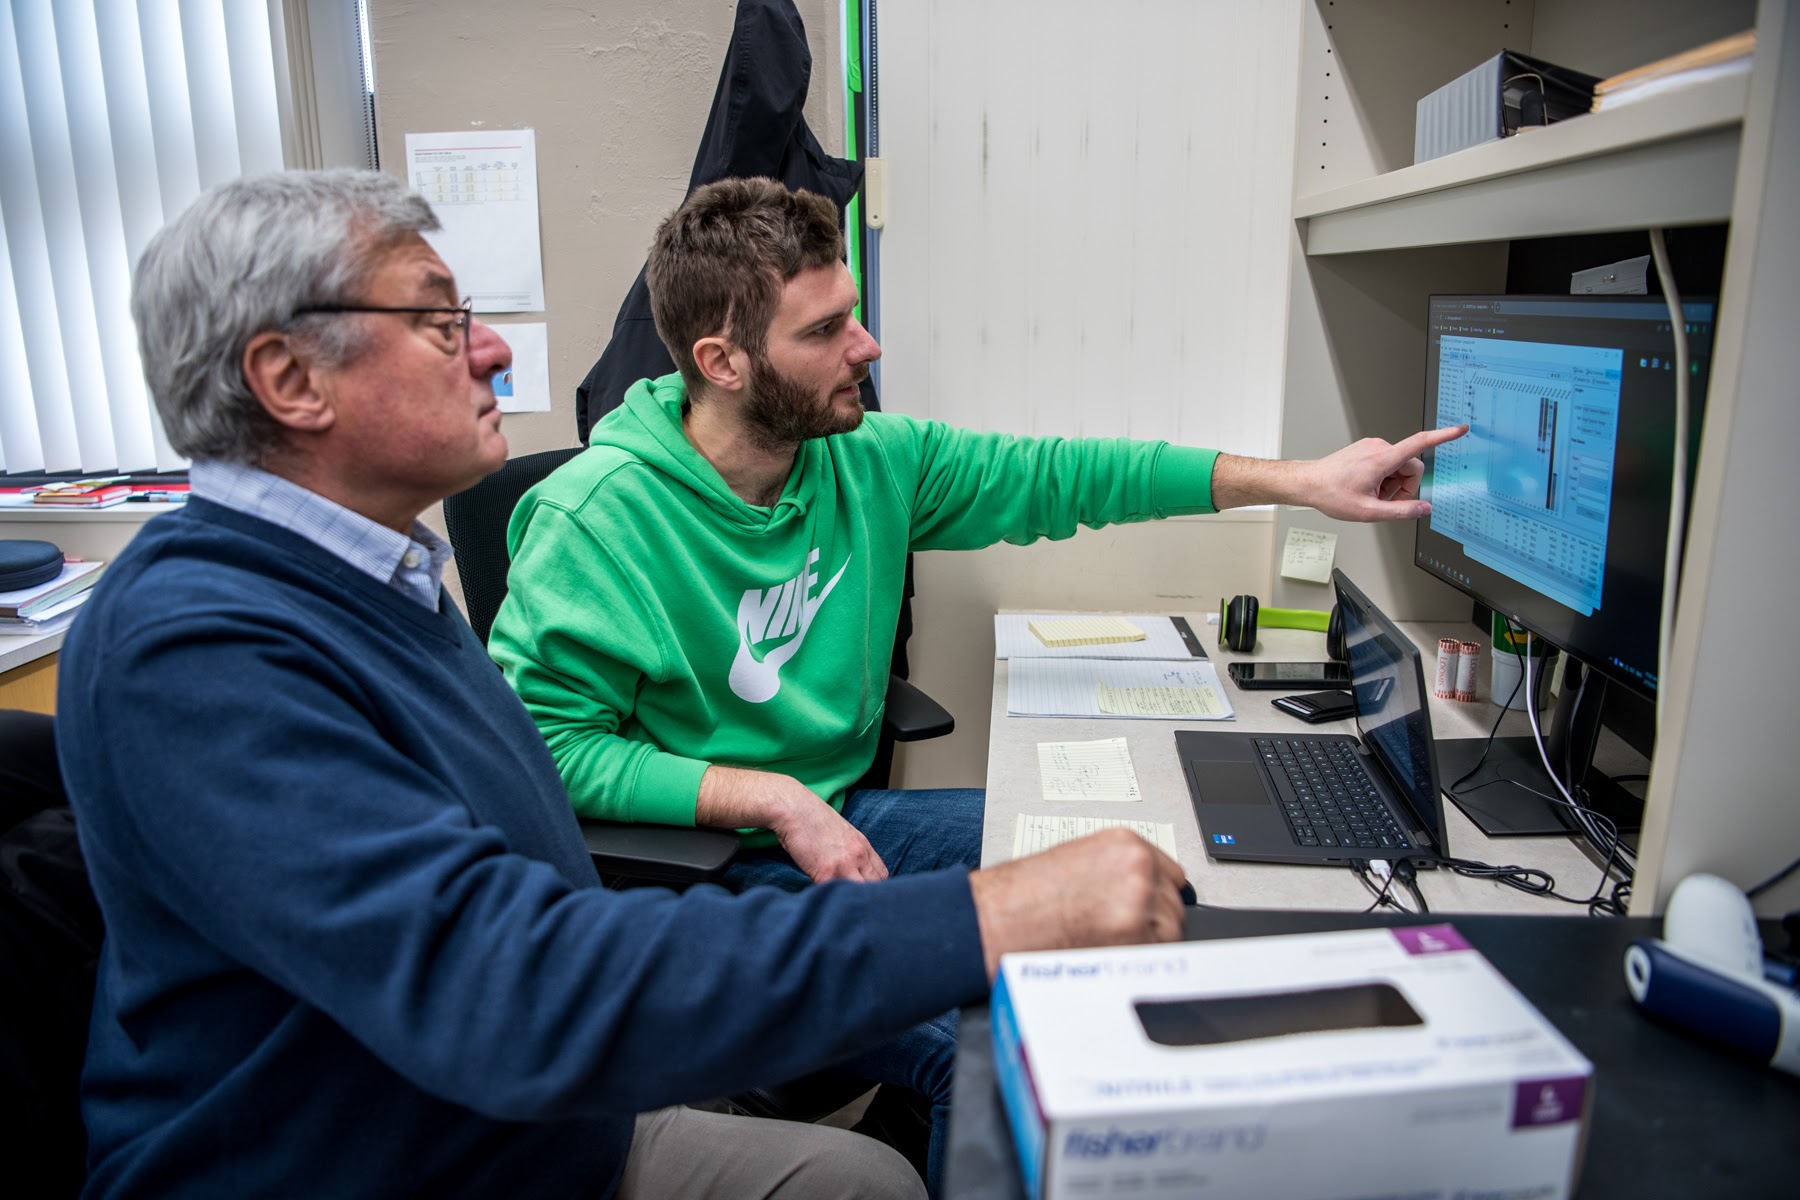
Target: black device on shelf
{"x": 1554, "y": 513}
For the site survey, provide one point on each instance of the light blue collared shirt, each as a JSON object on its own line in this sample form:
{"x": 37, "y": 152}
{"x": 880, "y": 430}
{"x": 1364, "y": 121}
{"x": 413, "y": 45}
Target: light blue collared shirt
{"x": 413, "y": 566}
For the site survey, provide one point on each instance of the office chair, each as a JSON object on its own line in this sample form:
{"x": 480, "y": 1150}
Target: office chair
{"x": 666, "y": 854}
{"x": 50, "y": 932}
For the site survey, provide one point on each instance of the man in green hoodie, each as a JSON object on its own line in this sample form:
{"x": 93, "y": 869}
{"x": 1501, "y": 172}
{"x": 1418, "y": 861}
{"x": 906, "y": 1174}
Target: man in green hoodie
{"x": 702, "y": 606}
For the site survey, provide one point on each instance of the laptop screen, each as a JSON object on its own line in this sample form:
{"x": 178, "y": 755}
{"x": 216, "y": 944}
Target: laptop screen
{"x": 1388, "y": 681}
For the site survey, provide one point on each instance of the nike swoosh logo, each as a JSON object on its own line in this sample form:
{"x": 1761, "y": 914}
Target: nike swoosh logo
{"x": 757, "y": 682}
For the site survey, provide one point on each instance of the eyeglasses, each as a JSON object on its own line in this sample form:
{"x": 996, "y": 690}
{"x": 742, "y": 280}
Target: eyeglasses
{"x": 446, "y": 331}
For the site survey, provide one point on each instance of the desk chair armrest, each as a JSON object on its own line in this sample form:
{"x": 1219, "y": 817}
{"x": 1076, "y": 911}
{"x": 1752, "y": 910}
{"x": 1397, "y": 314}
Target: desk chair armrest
{"x": 659, "y": 853}
{"x": 911, "y": 715}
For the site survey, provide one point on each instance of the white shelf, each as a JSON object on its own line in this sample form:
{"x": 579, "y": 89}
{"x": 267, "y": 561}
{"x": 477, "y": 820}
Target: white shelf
{"x": 1666, "y": 160}
{"x": 112, "y": 514}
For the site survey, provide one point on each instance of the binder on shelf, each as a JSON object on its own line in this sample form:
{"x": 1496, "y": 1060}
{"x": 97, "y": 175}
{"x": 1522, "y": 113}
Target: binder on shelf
{"x": 1508, "y": 94}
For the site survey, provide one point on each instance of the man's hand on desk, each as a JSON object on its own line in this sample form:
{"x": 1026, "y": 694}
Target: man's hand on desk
{"x": 816, "y": 837}
{"x": 1107, "y": 889}
{"x": 1368, "y": 480}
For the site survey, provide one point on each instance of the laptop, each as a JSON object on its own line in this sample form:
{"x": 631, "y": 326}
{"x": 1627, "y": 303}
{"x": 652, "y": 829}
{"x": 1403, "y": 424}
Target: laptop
{"x": 1322, "y": 797}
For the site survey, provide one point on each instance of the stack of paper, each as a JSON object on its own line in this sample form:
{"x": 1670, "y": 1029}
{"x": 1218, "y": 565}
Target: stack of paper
{"x": 85, "y": 493}
{"x": 48, "y": 606}
{"x": 1727, "y": 56}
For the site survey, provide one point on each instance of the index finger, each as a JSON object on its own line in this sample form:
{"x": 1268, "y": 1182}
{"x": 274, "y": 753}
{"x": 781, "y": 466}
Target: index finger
{"x": 1427, "y": 438}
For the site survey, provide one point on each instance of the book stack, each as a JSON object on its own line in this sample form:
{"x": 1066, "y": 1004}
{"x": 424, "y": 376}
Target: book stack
{"x": 49, "y": 606}
{"x": 1727, "y": 56}
{"x": 85, "y": 493}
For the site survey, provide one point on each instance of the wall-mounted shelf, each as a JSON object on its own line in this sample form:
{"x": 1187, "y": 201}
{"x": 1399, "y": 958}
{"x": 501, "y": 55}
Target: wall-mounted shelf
{"x": 1666, "y": 160}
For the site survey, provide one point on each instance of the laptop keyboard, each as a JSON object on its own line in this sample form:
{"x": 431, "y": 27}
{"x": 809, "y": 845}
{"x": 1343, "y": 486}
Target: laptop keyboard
{"x": 1327, "y": 797}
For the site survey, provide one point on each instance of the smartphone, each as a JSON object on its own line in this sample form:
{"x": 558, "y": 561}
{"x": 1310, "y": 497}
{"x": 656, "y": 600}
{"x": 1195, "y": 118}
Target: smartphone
{"x": 1314, "y": 707}
{"x": 1248, "y": 673}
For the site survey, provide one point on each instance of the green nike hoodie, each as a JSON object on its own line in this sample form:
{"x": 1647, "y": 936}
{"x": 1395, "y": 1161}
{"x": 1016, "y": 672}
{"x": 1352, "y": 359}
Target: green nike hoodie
{"x": 655, "y": 623}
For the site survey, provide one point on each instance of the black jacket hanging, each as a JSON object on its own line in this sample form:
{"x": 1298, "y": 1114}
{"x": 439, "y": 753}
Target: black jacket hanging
{"x": 756, "y": 127}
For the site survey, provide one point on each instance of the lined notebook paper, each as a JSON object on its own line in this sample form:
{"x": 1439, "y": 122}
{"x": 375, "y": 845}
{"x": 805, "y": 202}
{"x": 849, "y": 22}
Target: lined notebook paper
{"x": 1099, "y": 687}
{"x": 1033, "y": 833}
{"x": 1098, "y": 770}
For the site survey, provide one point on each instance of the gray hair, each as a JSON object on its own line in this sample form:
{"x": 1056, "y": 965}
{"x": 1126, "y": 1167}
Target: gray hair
{"x": 243, "y": 259}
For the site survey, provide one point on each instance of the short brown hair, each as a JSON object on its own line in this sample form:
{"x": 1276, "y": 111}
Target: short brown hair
{"x": 719, "y": 261}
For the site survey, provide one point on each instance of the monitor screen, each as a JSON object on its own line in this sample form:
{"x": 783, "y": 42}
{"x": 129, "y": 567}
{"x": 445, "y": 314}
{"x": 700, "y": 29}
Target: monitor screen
{"x": 1554, "y": 509}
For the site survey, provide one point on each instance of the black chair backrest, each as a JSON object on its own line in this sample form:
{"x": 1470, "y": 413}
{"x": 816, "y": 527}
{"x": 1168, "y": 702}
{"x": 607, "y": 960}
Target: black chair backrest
{"x": 50, "y": 932}
{"x": 477, "y": 521}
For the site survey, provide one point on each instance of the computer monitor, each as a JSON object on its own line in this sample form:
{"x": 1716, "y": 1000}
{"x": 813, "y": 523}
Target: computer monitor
{"x": 1554, "y": 510}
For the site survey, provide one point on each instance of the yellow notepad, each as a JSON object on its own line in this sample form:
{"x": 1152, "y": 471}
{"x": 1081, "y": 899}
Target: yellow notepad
{"x": 1086, "y": 631}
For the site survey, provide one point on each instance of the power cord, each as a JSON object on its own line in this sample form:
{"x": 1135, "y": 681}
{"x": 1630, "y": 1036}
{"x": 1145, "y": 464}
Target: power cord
{"x": 1361, "y": 867}
{"x": 1774, "y": 879}
{"x": 1597, "y": 827}
{"x": 1409, "y": 879}
{"x": 1401, "y": 872}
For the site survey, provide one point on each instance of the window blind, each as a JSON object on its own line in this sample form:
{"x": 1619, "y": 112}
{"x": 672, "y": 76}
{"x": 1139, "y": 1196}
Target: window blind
{"x": 114, "y": 115}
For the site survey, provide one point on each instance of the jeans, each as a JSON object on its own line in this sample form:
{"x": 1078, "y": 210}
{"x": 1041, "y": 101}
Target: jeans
{"x": 912, "y": 831}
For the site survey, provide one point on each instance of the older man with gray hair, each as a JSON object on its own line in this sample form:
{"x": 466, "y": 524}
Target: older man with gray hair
{"x": 355, "y": 946}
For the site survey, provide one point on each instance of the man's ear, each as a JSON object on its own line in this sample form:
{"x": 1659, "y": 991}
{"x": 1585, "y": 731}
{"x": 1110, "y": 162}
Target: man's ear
{"x": 285, "y": 383}
{"x": 723, "y": 363}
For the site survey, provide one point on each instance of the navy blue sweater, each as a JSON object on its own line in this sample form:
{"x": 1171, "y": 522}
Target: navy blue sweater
{"x": 354, "y": 944}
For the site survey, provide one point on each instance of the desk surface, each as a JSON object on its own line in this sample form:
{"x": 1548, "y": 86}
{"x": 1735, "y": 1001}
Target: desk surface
{"x": 1672, "y": 1117}
{"x": 18, "y": 650}
{"x": 1014, "y": 787}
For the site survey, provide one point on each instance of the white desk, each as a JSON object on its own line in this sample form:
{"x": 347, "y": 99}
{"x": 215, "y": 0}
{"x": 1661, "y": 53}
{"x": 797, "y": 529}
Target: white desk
{"x": 1013, "y": 787}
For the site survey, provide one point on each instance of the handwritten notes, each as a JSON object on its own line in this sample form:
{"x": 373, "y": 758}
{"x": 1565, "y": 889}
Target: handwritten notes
{"x": 1308, "y": 555}
{"x": 1098, "y": 770}
{"x": 1193, "y": 703}
{"x": 1073, "y": 687}
{"x": 1034, "y": 833}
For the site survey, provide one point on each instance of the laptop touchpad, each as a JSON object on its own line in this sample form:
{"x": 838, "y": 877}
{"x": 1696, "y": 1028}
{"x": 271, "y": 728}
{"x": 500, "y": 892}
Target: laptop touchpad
{"x": 1229, "y": 783}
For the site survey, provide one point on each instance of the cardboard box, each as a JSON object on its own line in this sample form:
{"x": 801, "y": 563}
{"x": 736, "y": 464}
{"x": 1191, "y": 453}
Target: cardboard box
{"x": 1380, "y": 1062}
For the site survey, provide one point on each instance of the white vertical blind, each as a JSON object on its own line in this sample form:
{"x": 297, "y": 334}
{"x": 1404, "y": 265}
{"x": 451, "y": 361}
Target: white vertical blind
{"x": 1088, "y": 216}
{"x": 114, "y": 115}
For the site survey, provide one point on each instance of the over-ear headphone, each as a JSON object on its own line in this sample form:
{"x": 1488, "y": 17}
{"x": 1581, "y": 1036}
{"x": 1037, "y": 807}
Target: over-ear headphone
{"x": 1240, "y": 615}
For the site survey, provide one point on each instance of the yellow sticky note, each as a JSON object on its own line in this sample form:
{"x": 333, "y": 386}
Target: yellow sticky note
{"x": 1085, "y": 631}
{"x": 1160, "y": 702}
{"x": 1308, "y": 555}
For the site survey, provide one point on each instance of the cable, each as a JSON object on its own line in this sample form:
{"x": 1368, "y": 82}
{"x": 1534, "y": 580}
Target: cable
{"x": 1360, "y": 868}
{"x": 1409, "y": 879}
{"x": 1774, "y": 879}
{"x": 1678, "y": 492}
{"x": 1495, "y": 728}
{"x": 1599, "y": 829}
{"x": 1537, "y": 882}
